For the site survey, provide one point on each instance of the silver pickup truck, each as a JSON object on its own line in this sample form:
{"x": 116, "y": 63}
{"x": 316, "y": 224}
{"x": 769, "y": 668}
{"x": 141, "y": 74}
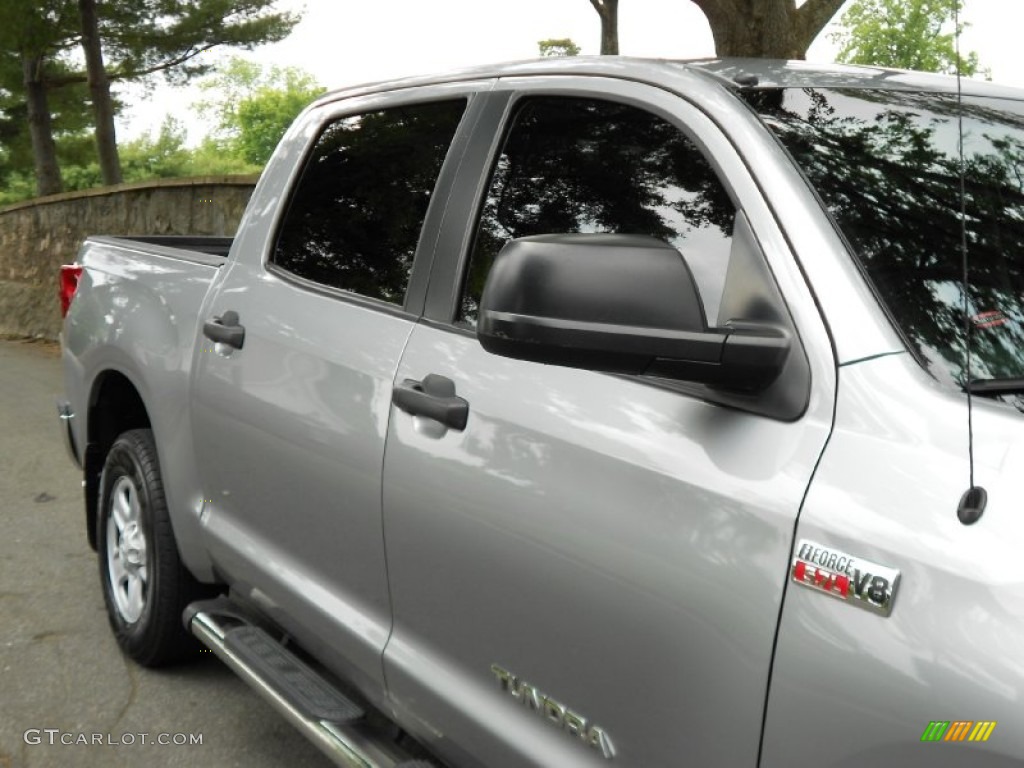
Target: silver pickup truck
{"x": 586, "y": 412}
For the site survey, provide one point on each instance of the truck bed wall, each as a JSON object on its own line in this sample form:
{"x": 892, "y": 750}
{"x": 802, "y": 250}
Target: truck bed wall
{"x": 136, "y": 315}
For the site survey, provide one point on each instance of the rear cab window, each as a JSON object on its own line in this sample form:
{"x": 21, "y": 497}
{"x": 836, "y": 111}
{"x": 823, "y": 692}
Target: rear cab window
{"x": 353, "y": 221}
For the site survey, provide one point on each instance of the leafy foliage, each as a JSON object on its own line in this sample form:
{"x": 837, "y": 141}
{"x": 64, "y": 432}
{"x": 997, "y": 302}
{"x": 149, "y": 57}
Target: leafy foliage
{"x": 904, "y": 34}
{"x": 128, "y": 40}
{"x": 254, "y": 108}
{"x": 166, "y": 156}
{"x": 160, "y": 156}
{"x": 143, "y": 37}
{"x": 561, "y": 46}
{"x": 153, "y": 35}
{"x": 31, "y": 33}
{"x": 69, "y": 127}
{"x": 37, "y": 27}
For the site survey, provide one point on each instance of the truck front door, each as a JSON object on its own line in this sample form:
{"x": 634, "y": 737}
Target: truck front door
{"x": 593, "y": 565}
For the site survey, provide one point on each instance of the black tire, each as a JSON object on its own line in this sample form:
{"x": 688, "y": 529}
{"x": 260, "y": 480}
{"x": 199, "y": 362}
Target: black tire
{"x": 145, "y": 585}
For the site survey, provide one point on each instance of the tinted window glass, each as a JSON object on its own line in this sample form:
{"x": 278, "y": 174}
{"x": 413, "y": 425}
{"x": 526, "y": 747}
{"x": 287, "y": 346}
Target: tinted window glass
{"x": 355, "y": 217}
{"x": 581, "y": 165}
{"x": 887, "y": 166}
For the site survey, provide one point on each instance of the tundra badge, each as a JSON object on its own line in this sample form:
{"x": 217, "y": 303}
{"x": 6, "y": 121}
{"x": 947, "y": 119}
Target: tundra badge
{"x": 852, "y": 579}
{"x": 557, "y": 714}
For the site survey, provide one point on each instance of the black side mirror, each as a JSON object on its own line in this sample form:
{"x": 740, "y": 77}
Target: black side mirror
{"x": 619, "y": 304}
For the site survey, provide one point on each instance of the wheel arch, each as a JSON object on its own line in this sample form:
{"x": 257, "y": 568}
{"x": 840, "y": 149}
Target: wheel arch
{"x": 115, "y": 406}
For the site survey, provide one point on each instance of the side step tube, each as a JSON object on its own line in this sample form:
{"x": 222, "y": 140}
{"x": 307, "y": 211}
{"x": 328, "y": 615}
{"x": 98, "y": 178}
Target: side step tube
{"x": 320, "y": 712}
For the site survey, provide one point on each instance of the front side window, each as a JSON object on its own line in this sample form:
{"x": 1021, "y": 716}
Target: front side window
{"x": 354, "y": 219}
{"x": 887, "y": 166}
{"x": 580, "y": 165}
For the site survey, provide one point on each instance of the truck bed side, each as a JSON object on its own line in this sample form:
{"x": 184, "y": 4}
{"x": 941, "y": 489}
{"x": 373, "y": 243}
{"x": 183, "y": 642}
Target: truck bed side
{"x": 128, "y": 348}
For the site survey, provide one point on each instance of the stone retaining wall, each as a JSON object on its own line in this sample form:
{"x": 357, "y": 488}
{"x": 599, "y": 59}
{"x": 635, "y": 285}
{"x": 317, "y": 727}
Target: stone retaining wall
{"x": 38, "y": 236}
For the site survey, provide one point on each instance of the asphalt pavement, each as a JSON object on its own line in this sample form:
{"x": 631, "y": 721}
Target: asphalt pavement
{"x": 67, "y": 695}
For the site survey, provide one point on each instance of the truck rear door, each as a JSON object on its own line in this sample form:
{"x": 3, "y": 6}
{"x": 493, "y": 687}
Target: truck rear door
{"x": 292, "y": 387}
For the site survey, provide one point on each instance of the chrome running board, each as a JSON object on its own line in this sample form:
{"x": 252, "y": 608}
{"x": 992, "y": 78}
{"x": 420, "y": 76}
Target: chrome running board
{"x": 324, "y": 715}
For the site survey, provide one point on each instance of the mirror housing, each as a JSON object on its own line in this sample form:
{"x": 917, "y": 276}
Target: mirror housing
{"x": 619, "y": 304}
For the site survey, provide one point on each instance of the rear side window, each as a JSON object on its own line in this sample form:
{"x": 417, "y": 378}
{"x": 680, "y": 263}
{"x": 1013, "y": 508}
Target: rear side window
{"x": 354, "y": 219}
{"x": 580, "y": 165}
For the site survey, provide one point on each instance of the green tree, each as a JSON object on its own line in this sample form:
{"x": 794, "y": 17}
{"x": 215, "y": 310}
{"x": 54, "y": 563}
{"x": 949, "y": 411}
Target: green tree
{"x": 162, "y": 156}
{"x": 608, "y": 11}
{"x": 127, "y": 40}
{"x": 32, "y": 34}
{"x": 147, "y": 36}
{"x": 254, "y": 107}
{"x": 778, "y": 29}
{"x": 766, "y": 28}
{"x": 99, "y": 91}
{"x": 68, "y": 133}
{"x": 561, "y": 46}
{"x": 905, "y": 34}
{"x": 210, "y": 159}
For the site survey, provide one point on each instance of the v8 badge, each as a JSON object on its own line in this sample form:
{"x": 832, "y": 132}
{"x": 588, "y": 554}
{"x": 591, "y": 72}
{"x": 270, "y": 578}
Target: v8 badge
{"x": 852, "y": 579}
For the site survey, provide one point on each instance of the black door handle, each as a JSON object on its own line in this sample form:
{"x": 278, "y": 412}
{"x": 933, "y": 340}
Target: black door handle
{"x": 225, "y": 330}
{"x": 434, "y": 397}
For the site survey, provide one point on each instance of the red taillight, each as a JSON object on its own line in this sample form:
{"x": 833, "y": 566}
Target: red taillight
{"x": 69, "y": 277}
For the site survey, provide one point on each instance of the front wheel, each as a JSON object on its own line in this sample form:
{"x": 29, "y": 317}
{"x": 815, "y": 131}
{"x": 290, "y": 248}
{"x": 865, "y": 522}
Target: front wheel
{"x": 145, "y": 585}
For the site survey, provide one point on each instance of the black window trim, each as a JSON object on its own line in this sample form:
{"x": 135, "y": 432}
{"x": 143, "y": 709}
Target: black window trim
{"x": 351, "y": 297}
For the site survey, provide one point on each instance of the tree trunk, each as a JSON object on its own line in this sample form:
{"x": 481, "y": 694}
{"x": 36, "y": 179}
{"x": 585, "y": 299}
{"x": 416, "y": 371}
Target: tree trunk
{"x": 767, "y": 29}
{"x": 608, "y": 10}
{"x": 40, "y": 128}
{"x": 99, "y": 89}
